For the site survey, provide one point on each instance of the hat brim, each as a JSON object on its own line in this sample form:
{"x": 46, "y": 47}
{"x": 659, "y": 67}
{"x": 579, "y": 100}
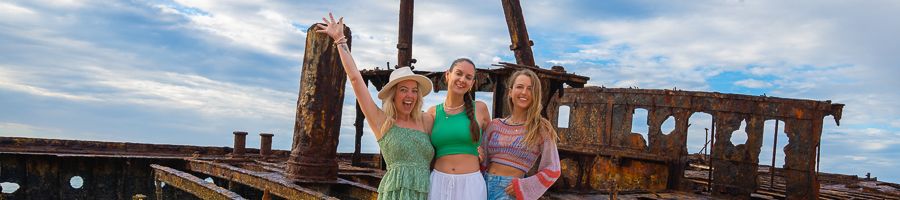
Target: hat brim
{"x": 424, "y": 85}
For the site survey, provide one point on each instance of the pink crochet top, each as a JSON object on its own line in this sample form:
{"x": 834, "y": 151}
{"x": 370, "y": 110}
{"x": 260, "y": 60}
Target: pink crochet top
{"x": 503, "y": 144}
{"x": 507, "y": 146}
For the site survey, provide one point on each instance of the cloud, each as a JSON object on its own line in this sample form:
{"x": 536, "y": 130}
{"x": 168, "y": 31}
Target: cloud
{"x": 265, "y": 30}
{"x": 25, "y": 130}
{"x": 753, "y": 83}
{"x": 12, "y": 10}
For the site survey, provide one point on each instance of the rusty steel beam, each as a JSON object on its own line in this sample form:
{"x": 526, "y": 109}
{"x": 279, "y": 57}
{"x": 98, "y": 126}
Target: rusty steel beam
{"x": 518, "y": 33}
{"x": 273, "y": 182}
{"x": 318, "y": 119}
{"x": 191, "y": 184}
{"x": 81, "y": 148}
{"x": 404, "y": 42}
{"x": 709, "y": 102}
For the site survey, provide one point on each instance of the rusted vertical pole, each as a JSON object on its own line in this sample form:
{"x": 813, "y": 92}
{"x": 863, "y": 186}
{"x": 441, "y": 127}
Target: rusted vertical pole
{"x": 818, "y": 156}
{"x": 357, "y": 148}
{"x": 500, "y": 95}
{"x": 318, "y": 119}
{"x": 705, "y": 142}
{"x": 266, "y": 195}
{"x": 518, "y": 33}
{"x": 158, "y": 185}
{"x": 240, "y": 142}
{"x": 774, "y": 150}
{"x": 265, "y": 144}
{"x": 404, "y": 43}
{"x": 712, "y": 146}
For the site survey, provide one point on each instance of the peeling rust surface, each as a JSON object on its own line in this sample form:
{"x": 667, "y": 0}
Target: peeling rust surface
{"x": 274, "y": 182}
{"x": 318, "y": 119}
{"x": 601, "y": 122}
{"x": 192, "y": 184}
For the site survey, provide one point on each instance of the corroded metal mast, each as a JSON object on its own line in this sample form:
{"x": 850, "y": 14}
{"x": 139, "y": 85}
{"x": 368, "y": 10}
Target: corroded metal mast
{"x": 404, "y": 42}
{"x": 521, "y": 45}
{"x": 317, "y": 126}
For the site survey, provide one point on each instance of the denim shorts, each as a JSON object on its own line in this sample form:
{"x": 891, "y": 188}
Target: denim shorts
{"x": 496, "y": 186}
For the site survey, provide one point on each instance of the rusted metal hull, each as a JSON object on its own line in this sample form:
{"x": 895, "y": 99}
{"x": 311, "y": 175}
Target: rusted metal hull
{"x": 601, "y": 122}
{"x": 120, "y": 174}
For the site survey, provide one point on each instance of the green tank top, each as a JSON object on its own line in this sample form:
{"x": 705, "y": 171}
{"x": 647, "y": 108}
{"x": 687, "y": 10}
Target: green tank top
{"x": 450, "y": 134}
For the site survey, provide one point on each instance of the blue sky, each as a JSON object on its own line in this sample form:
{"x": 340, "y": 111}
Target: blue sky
{"x": 190, "y": 72}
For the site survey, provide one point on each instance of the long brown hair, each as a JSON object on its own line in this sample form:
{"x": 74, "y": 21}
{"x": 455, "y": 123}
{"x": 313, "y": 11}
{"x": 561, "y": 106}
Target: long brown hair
{"x": 468, "y": 101}
{"x": 535, "y": 124}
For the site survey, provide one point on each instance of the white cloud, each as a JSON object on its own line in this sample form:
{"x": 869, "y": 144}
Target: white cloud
{"x": 753, "y": 83}
{"x": 164, "y": 90}
{"x": 10, "y": 9}
{"x": 265, "y": 30}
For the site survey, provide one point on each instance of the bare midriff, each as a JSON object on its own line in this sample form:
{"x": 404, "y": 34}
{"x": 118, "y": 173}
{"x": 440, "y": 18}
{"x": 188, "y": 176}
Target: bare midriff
{"x": 457, "y": 164}
{"x": 504, "y": 170}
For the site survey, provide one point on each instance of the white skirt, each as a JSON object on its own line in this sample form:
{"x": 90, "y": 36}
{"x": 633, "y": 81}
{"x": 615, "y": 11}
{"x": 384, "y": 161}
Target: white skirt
{"x": 445, "y": 186}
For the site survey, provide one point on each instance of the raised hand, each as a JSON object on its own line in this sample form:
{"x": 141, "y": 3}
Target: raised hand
{"x": 332, "y": 28}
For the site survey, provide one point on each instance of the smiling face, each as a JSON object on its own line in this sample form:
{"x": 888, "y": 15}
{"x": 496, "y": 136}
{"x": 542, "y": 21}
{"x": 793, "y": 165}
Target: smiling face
{"x": 521, "y": 92}
{"x": 406, "y": 95}
{"x": 460, "y": 78}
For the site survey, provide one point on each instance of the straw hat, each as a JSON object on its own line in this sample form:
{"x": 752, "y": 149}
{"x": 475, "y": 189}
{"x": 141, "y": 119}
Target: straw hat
{"x": 402, "y": 74}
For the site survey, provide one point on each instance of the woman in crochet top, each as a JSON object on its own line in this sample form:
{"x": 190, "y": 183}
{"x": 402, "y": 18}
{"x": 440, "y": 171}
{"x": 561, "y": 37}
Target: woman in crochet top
{"x": 513, "y": 144}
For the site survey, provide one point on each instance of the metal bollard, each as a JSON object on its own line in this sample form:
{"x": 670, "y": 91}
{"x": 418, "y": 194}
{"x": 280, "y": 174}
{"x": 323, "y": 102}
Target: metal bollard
{"x": 265, "y": 144}
{"x": 240, "y": 142}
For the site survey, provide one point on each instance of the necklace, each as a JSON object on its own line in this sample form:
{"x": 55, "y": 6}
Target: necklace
{"x": 509, "y": 121}
{"x": 453, "y": 108}
{"x": 446, "y": 109}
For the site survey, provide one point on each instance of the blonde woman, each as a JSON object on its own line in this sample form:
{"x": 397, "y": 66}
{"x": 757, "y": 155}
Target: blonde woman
{"x": 458, "y": 123}
{"x": 401, "y": 128}
{"x": 512, "y": 144}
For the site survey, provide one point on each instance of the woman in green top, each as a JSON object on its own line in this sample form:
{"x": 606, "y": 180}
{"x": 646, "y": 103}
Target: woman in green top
{"x": 458, "y": 123}
{"x": 403, "y": 133}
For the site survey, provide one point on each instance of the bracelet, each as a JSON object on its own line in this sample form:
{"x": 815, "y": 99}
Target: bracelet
{"x": 342, "y": 40}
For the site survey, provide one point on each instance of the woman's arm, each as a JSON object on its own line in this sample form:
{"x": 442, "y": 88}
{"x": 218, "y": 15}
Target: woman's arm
{"x": 335, "y": 29}
{"x": 533, "y": 187}
{"x": 483, "y": 115}
{"x": 428, "y": 120}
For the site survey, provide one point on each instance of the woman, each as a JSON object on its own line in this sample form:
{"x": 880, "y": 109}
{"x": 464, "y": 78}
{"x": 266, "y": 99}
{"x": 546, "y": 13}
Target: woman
{"x": 458, "y": 123}
{"x": 512, "y": 144}
{"x": 401, "y": 129}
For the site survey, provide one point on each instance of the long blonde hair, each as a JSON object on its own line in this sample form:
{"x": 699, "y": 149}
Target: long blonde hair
{"x": 535, "y": 124}
{"x": 390, "y": 110}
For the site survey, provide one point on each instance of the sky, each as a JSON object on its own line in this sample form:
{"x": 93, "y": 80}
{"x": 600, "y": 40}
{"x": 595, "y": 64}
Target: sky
{"x": 191, "y": 72}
